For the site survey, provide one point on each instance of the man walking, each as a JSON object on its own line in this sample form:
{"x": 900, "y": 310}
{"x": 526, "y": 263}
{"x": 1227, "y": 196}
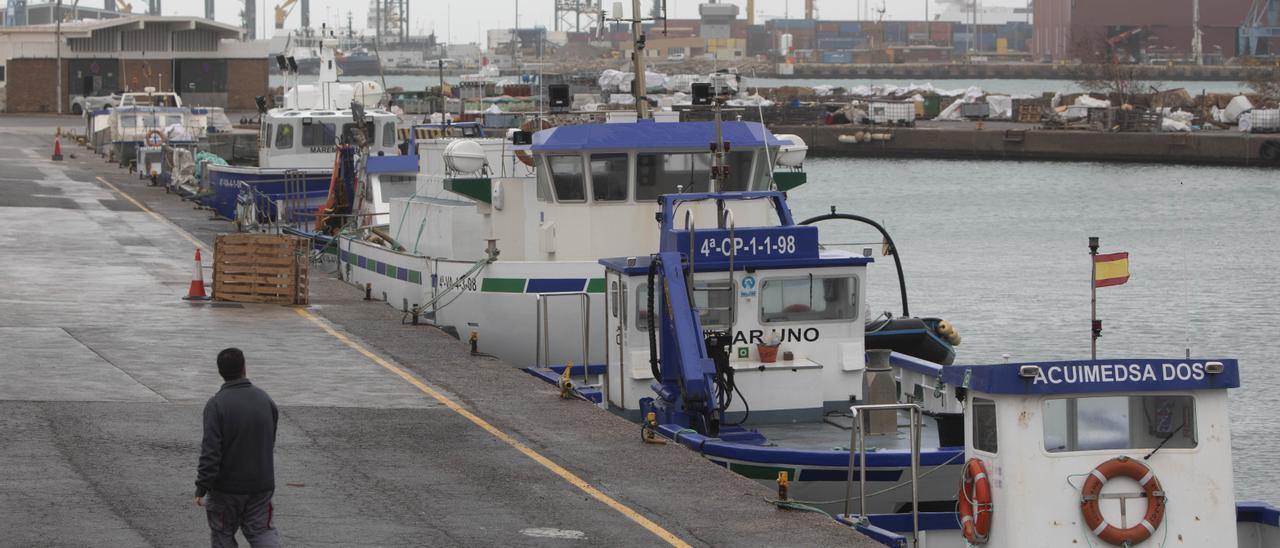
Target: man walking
{"x": 237, "y": 469}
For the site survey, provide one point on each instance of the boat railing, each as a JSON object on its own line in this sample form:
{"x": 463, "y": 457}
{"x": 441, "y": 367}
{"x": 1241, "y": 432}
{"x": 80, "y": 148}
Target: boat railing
{"x": 542, "y": 338}
{"x": 858, "y": 457}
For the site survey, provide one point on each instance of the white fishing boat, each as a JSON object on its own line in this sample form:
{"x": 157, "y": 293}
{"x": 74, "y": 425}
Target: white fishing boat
{"x": 482, "y": 233}
{"x": 150, "y": 118}
{"x": 1112, "y": 452}
{"x": 297, "y": 147}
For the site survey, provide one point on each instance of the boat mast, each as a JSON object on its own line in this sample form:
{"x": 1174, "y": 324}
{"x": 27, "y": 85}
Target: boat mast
{"x": 637, "y": 56}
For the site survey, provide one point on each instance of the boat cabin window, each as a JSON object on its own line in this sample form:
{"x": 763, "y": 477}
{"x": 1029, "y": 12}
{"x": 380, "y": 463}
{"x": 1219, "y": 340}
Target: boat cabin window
{"x": 567, "y": 178}
{"x": 128, "y": 121}
{"x": 711, "y": 297}
{"x": 809, "y": 299}
{"x": 266, "y": 134}
{"x": 661, "y": 173}
{"x": 714, "y": 301}
{"x": 369, "y": 128}
{"x": 389, "y": 134}
{"x": 284, "y": 136}
{"x": 1119, "y": 422}
{"x": 609, "y": 175}
{"x": 984, "y": 425}
{"x": 318, "y": 134}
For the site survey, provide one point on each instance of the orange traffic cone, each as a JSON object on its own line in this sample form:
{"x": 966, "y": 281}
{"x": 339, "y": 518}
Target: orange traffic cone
{"x": 196, "y": 291}
{"x": 57, "y": 148}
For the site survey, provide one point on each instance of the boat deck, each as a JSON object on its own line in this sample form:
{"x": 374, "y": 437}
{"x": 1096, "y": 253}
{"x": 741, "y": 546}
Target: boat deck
{"x": 389, "y": 434}
{"x": 837, "y": 430}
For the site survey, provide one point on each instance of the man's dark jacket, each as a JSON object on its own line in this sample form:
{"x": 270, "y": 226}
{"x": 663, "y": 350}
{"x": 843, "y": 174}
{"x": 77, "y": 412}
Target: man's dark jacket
{"x": 239, "y": 439}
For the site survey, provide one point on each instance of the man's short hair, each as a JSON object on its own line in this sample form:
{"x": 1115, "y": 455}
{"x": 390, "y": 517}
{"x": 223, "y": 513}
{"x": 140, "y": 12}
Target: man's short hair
{"x": 231, "y": 364}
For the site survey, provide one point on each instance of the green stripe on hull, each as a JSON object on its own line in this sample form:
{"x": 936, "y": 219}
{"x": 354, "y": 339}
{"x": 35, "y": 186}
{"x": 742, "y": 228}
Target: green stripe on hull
{"x": 596, "y": 285}
{"x": 502, "y": 285}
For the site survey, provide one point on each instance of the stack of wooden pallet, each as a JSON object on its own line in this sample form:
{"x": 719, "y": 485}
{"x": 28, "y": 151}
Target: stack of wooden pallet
{"x": 260, "y": 268}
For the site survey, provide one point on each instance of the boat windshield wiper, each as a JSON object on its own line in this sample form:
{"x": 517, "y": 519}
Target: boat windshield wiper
{"x": 1166, "y": 440}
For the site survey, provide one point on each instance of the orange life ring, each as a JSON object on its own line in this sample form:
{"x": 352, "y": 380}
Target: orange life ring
{"x": 1137, "y": 471}
{"x": 975, "y": 502}
{"x": 159, "y": 138}
{"x": 537, "y": 124}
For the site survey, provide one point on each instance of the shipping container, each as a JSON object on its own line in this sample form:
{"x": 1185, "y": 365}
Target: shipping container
{"x": 851, "y": 28}
{"x": 793, "y": 24}
{"x": 917, "y": 37}
{"x": 940, "y": 31}
{"x": 987, "y": 42}
{"x": 828, "y": 27}
{"x": 836, "y": 43}
{"x": 837, "y": 57}
{"x": 917, "y": 26}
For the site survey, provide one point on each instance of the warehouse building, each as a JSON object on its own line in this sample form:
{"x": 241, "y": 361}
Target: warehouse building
{"x": 1136, "y": 30}
{"x": 207, "y": 62}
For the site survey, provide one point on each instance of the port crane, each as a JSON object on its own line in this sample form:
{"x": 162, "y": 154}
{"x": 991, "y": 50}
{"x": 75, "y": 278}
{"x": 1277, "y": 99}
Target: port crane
{"x": 283, "y": 10}
{"x": 1262, "y": 24}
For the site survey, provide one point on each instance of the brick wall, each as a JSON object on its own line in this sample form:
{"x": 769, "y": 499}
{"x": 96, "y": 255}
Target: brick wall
{"x": 31, "y": 85}
{"x": 246, "y": 79}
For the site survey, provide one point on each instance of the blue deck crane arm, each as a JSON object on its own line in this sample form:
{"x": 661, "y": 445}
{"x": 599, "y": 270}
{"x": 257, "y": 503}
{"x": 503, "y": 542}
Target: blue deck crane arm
{"x": 686, "y": 382}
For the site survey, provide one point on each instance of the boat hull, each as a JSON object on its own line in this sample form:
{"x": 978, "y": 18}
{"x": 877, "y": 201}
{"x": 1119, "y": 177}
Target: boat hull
{"x": 226, "y": 184}
{"x": 819, "y": 477}
{"x": 498, "y": 302}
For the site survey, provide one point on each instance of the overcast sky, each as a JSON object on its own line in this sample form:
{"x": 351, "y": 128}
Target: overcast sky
{"x": 466, "y": 20}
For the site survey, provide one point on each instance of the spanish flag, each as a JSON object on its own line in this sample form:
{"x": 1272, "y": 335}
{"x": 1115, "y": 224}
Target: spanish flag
{"x": 1110, "y": 269}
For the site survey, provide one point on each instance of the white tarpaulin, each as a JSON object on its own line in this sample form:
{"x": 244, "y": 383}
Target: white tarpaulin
{"x": 621, "y": 81}
{"x": 175, "y": 132}
{"x": 1238, "y": 105}
{"x": 1001, "y": 107}
{"x": 1089, "y": 102}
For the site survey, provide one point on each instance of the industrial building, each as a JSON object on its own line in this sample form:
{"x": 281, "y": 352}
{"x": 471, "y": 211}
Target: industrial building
{"x": 1138, "y": 30}
{"x": 207, "y": 62}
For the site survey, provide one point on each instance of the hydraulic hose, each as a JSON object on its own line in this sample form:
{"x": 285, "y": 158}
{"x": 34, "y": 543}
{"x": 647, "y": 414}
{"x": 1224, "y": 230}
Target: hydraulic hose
{"x": 897, "y": 261}
{"x": 654, "y": 263}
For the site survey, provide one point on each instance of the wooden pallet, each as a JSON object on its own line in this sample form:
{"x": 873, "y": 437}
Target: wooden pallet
{"x": 261, "y": 268}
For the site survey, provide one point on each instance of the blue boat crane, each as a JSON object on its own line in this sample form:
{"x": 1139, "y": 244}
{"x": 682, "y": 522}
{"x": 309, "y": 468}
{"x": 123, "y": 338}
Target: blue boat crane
{"x": 694, "y": 379}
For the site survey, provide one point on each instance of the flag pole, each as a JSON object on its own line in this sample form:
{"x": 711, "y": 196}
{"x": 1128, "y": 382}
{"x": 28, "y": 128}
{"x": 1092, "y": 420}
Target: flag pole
{"x": 1095, "y": 327}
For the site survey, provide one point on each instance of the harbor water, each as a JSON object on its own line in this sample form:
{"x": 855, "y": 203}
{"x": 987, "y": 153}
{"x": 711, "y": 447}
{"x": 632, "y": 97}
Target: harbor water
{"x": 1001, "y": 250}
{"x": 1015, "y": 87}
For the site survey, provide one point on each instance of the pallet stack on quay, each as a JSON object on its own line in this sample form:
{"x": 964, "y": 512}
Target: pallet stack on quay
{"x": 261, "y": 268}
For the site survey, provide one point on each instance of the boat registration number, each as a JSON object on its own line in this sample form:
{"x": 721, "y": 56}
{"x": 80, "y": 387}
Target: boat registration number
{"x": 465, "y": 284}
{"x": 754, "y": 246}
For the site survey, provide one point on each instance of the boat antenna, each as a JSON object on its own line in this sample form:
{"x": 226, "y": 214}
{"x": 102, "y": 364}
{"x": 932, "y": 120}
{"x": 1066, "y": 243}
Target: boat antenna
{"x": 638, "y": 87}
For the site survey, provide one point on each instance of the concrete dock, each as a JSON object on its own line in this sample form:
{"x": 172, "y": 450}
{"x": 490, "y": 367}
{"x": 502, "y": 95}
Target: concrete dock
{"x": 390, "y": 434}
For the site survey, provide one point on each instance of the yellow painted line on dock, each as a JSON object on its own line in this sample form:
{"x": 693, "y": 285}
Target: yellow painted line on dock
{"x": 157, "y": 216}
{"x": 547, "y": 463}
{"x": 537, "y": 457}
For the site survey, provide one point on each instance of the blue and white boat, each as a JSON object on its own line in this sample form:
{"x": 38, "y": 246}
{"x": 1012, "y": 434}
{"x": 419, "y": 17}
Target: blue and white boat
{"x": 297, "y": 146}
{"x": 1124, "y": 452}
{"x": 1110, "y": 452}
{"x": 760, "y": 349}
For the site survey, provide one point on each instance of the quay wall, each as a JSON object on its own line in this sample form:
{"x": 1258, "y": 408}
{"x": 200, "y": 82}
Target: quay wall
{"x": 1037, "y": 144}
{"x": 1044, "y": 71}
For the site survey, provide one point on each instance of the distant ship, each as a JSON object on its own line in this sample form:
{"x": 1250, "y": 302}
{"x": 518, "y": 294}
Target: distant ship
{"x": 356, "y": 62}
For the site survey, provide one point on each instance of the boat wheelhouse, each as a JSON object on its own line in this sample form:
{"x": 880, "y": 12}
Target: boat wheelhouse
{"x": 491, "y": 230}
{"x": 1132, "y": 452}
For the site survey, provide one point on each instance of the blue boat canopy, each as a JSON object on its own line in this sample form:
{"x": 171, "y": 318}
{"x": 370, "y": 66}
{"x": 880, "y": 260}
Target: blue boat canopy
{"x": 651, "y": 135}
